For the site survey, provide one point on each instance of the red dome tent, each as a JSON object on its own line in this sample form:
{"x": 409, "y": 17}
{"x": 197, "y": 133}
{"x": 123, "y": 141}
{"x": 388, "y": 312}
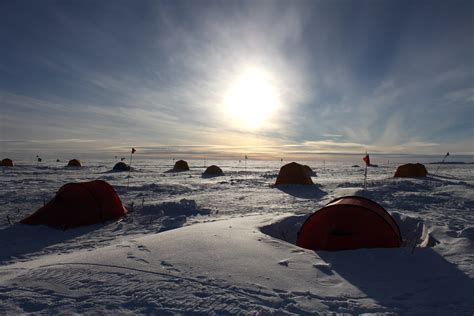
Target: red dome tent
{"x": 78, "y": 204}
{"x": 349, "y": 222}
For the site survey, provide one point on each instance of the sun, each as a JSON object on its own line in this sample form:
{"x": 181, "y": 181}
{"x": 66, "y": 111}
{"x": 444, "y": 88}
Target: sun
{"x": 252, "y": 99}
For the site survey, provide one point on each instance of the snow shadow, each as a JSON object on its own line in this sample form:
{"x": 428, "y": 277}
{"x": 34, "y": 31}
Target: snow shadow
{"x": 403, "y": 281}
{"x": 18, "y": 241}
{"x": 310, "y": 192}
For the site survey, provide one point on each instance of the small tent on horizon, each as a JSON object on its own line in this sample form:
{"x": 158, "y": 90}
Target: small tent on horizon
{"x": 294, "y": 173}
{"x": 79, "y": 204}
{"x": 74, "y": 163}
{"x": 349, "y": 222}
{"x": 180, "y": 166}
{"x": 213, "y": 171}
{"x": 411, "y": 170}
{"x": 121, "y": 166}
{"x": 7, "y": 162}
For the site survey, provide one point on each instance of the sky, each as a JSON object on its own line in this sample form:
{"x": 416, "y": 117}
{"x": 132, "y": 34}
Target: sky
{"x": 227, "y": 78}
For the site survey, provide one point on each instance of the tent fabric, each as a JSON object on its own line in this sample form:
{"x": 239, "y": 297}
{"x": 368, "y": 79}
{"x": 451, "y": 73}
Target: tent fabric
{"x": 74, "y": 163}
{"x": 349, "y": 222}
{"x": 7, "y": 162}
{"x": 309, "y": 171}
{"x": 293, "y": 173}
{"x": 180, "y": 165}
{"x": 410, "y": 170}
{"x": 213, "y": 171}
{"x": 79, "y": 204}
{"x": 121, "y": 166}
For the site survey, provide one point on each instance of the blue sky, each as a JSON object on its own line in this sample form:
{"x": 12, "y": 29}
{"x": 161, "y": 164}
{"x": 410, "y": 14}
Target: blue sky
{"x": 344, "y": 76}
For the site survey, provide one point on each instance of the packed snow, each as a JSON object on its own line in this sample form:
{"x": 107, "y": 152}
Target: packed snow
{"x": 226, "y": 244}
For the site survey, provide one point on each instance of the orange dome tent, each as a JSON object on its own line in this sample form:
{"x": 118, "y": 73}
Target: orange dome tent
{"x": 349, "y": 222}
{"x": 7, "y": 162}
{"x": 74, "y": 163}
{"x": 180, "y": 165}
{"x": 411, "y": 170}
{"x": 79, "y": 204}
{"x": 213, "y": 171}
{"x": 121, "y": 166}
{"x": 293, "y": 173}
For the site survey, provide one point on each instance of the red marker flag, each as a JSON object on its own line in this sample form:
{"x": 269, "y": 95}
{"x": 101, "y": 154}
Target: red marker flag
{"x": 367, "y": 160}
{"x": 133, "y": 150}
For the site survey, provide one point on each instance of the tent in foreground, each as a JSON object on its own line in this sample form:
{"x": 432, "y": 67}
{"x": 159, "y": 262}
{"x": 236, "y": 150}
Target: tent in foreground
{"x": 180, "y": 165}
{"x": 213, "y": 171}
{"x": 79, "y": 204}
{"x": 74, "y": 163}
{"x": 293, "y": 173}
{"x": 349, "y": 222}
{"x": 410, "y": 170}
{"x": 121, "y": 166}
{"x": 7, "y": 162}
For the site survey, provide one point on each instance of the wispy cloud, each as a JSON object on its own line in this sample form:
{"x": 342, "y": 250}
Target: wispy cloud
{"x": 351, "y": 77}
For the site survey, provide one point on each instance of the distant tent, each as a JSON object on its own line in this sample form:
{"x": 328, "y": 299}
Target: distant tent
{"x": 309, "y": 171}
{"x": 79, "y": 204}
{"x": 293, "y": 173}
{"x": 7, "y": 162}
{"x": 213, "y": 171}
{"x": 180, "y": 165}
{"x": 74, "y": 163}
{"x": 349, "y": 222}
{"x": 121, "y": 166}
{"x": 411, "y": 170}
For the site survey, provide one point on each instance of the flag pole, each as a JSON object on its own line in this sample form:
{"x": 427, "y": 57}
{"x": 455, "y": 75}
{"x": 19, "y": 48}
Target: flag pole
{"x": 130, "y": 166}
{"x": 367, "y": 163}
{"x": 442, "y": 161}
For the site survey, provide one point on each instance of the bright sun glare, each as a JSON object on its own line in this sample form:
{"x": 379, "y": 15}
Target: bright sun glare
{"x": 252, "y": 99}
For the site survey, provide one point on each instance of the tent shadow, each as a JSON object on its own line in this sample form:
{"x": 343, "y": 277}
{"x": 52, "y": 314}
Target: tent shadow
{"x": 420, "y": 283}
{"x": 19, "y": 241}
{"x": 310, "y": 192}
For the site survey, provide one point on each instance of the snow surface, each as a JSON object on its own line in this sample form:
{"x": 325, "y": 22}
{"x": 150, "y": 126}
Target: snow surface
{"x": 225, "y": 245}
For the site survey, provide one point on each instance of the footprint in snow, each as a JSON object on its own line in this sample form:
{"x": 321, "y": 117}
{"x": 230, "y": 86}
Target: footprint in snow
{"x": 132, "y": 257}
{"x": 122, "y": 246}
{"x": 297, "y": 250}
{"x": 324, "y": 267}
{"x": 168, "y": 266}
{"x": 143, "y": 248}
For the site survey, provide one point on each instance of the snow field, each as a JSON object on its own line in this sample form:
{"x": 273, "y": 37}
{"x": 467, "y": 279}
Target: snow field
{"x": 225, "y": 245}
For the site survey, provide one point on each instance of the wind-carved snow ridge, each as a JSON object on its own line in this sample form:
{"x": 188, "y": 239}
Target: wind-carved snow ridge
{"x": 414, "y": 232}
